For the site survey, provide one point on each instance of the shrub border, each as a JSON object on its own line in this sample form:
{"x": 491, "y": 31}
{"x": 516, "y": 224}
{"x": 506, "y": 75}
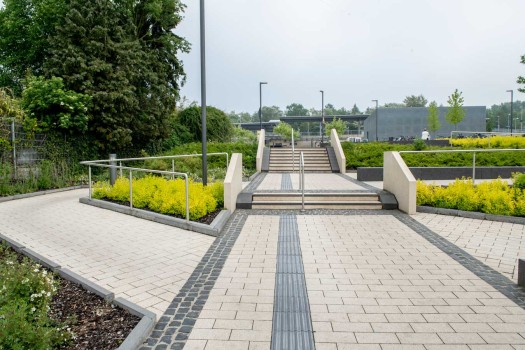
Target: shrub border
{"x": 212, "y": 230}
{"x": 40, "y": 193}
{"x": 471, "y": 214}
{"x": 137, "y": 335}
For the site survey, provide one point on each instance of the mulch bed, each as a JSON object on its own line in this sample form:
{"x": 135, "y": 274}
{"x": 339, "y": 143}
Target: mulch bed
{"x": 95, "y": 323}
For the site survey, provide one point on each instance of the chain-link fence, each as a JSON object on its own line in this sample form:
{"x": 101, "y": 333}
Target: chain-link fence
{"x": 20, "y": 151}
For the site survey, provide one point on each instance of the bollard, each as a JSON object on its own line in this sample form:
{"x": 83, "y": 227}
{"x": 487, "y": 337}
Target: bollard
{"x": 521, "y": 272}
{"x": 113, "y": 169}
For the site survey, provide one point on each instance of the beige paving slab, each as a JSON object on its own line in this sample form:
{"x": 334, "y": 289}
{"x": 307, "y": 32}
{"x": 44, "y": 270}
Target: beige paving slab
{"x": 497, "y": 244}
{"x": 239, "y": 309}
{"x": 425, "y": 300}
{"x": 145, "y": 262}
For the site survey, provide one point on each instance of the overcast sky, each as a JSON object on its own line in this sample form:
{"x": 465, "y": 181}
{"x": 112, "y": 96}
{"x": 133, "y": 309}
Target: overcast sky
{"x": 354, "y": 50}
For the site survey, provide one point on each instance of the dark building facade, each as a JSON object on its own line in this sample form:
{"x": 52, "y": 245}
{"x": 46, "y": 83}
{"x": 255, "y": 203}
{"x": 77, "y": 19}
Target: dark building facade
{"x": 410, "y": 122}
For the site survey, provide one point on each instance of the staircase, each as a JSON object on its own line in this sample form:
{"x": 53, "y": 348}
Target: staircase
{"x": 315, "y": 159}
{"x": 323, "y": 200}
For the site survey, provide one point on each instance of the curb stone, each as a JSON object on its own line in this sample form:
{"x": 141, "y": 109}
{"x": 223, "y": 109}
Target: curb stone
{"x": 471, "y": 215}
{"x": 137, "y": 335}
{"x": 40, "y": 193}
{"x": 210, "y": 230}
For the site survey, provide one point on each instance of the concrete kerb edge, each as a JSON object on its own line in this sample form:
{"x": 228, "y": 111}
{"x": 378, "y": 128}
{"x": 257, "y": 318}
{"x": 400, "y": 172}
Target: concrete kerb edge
{"x": 210, "y": 230}
{"x": 40, "y": 193}
{"x": 471, "y": 215}
{"x": 137, "y": 335}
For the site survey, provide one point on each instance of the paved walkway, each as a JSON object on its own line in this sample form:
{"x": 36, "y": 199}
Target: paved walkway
{"x": 374, "y": 279}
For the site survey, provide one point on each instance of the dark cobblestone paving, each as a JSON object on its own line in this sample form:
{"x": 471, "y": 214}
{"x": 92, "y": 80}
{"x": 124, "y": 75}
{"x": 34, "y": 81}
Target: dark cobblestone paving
{"x": 173, "y": 328}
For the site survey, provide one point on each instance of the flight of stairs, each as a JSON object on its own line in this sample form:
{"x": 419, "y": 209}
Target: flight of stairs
{"x": 323, "y": 200}
{"x": 315, "y": 160}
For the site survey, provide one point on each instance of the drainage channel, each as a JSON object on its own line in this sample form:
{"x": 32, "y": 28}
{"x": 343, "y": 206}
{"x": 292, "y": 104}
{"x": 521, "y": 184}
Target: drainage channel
{"x": 292, "y": 323}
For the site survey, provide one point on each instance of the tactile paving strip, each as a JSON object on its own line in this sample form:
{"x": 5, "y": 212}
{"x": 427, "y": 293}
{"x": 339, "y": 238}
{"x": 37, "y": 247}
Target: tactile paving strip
{"x": 292, "y": 323}
{"x": 286, "y": 182}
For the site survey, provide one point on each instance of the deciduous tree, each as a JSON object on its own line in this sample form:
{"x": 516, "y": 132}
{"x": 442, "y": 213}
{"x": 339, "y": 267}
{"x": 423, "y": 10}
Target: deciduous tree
{"x": 433, "y": 117}
{"x": 455, "y": 113}
{"x": 415, "y": 101}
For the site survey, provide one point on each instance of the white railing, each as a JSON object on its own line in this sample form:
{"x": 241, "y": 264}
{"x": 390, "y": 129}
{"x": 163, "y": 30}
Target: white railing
{"x": 473, "y": 151}
{"x": 293, "y": 153}
{"x": 131, "y": 170}
{"x": 301, "y": 179}
{"x": 102, "y": 164}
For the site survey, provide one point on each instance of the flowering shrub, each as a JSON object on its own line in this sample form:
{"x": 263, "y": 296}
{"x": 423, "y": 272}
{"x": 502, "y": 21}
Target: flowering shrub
{"x": 492, "y": 197}
{"x": 165, "y": 196}
{"x": 25, "y": 295}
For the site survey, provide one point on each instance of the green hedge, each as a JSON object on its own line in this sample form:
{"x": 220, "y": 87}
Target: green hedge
{"x": 371, "y": 155}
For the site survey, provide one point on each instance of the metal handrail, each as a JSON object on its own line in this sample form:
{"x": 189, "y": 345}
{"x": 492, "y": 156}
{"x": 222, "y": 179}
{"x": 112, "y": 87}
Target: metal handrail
{"x": 130, "y": 169}
{"x": 473, "y": 151}
{"x": 301, "y": 179}
{"x": 293, "y": 154}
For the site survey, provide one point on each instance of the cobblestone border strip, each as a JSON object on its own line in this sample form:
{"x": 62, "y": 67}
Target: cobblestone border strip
{"x": 147, "y": 318}
{"x": 254, "y": 183}
{"x": 500, "y": 282}
{"x": 40, "y": 193}
{"x": 211, "y": 230}
{"x": 359, "y": 183}
{"x": 174, "y": 327}
{"x": 471, "y": 215}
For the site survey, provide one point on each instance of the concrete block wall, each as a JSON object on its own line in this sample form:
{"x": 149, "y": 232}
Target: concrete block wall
{"x": 398, "y": 180}
{"x": 339, "y": 154}
{"x": 260, "y": 151}
{"x": 233, "y": 181}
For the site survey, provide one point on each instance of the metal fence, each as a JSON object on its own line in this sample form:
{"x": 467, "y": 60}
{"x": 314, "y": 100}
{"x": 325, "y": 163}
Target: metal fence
{"x": 473, "y": 151}
{"x": 115, "y": 164}
{"x": 19, "y": 148}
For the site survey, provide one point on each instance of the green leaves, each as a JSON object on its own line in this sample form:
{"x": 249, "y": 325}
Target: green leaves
{"x": 338, "y": 124}
{"x": 218, "y": 125}
{"x": 55, "y": 107}
{"x": 285, "y": 130}
{"x": 521, "y": 80}
{"x": 433, "y": 117}
{"x": 456, "y": 113}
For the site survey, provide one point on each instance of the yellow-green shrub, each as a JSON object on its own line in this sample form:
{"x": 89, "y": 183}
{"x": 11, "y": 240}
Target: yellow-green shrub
{"x": 165, "y": 196}
{"x": 491, "y": 197}
{"x": 495, "y": 142}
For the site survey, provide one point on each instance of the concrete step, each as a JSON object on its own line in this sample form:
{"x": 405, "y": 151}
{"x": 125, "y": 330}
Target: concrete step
{"x": 315, "y": 197}
{"x": 371, "y": 205}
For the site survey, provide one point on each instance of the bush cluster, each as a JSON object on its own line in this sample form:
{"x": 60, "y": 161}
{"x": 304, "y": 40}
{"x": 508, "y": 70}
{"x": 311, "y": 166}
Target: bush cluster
{"x": 490, "y": 142}
{"x": 26, "y": 291}
{"x": 165, "y": 196}
{"x": 371, "y": 155}
{"x": 492, "y": 197}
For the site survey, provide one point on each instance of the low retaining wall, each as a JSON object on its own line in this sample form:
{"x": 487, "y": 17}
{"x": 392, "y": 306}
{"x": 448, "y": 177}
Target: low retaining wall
{"x": 233, "y": 182}
{"x": 443, "y": 173}
{"x": 400, "y": 182}
{"x": 212, "y": 230}
{"x": 147, "y": 318}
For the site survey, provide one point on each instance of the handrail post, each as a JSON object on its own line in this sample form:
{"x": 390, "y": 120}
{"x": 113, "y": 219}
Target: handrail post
{"x": 473, "y": 168}
{"x": 89, "y": 180}
{"x": 187, "y": 199}
{"x": 293, "y": 153}
{"x": 120, "y": 164}
{"x": 227, "y": 160}
{"x": 302, "y": 181}
{"x": 130, "y": 189}
{"x": 173, "y": 168}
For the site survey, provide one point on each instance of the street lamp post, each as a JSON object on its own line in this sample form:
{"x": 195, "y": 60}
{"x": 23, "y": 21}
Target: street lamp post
{"x": 511, "y": 107}
{"x": 377, "y": 117}
{"x": 260, "y": 103}
{"x": 322, "y": 118}
{"x": 203, "y": 95}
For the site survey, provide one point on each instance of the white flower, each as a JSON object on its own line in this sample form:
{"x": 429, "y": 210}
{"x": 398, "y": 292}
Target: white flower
{"x": 33, "y": 309}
